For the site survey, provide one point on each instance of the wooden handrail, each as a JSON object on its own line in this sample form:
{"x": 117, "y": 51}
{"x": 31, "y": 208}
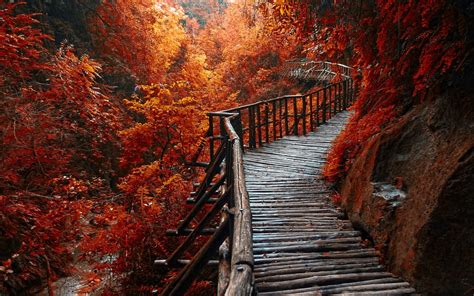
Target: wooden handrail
{"x": 248, "y": 126}
{"x": 241, "y": 267}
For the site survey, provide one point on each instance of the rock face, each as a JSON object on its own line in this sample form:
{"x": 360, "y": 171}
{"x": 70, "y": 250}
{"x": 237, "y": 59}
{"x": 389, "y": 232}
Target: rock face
{"x": 412, "y": 190}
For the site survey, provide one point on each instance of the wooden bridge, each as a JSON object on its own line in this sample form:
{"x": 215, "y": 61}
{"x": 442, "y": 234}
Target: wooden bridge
{"x": 270, "y": 224}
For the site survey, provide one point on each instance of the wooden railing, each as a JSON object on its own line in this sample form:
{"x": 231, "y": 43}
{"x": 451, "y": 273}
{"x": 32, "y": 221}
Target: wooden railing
{"x": 323, "y": 72}
{"x": 266, "y": 121}
{"x": 220, "y": 202}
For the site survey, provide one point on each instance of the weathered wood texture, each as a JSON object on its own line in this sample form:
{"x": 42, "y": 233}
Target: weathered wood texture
{"x": 301, "y": 245}
{"x": 241, "y": 276}
{"x": 283, "y": 235}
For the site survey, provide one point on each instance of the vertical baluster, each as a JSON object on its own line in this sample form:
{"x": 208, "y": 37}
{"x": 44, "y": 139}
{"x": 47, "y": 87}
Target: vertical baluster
{"x": 295, "y": 116}
{"x": 338, "y": 98}
{"x": 252, "y": 136}
{"x": 330, "y": 102}
{"x": 259, "y": 125}
{"x": 287, "y": 131}
{"x": 344, "y": 89}
{"x": 318, "y": 108}
{"x": 341, "y": 95}
{"x": 303, "y": 114}
{"x": 281, "y": 117}
{"x": 267, "y": 123}
{"x": 239, "y": 129}
{"x": 274, "y": 119}
{"x": 324, "y": 104}
{"x": 222, "y": 131}
{"x": 211, "y": 139}
{"x": 311, "y": 113}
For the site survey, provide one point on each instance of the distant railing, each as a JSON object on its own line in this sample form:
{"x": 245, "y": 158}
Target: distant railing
{"x": 223, "y": 186}
{"x": 269, "y": 120}
{"x": 324, "y": 72}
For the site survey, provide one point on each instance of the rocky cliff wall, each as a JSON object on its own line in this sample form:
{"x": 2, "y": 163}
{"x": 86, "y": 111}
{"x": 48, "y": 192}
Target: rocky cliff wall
{"x": 412, "y": 190}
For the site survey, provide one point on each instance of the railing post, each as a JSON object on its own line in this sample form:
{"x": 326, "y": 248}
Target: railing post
{"x": 259, "y": 126}
{"x": 252, "y": 136}
{"x": 267, "y": 123}
{"x": 338, "y": 93}
{"x": 304, "y": 115}
{"x": 274, "y": 119}
{"x": 345, "y": 94}
{"x": 239, "y": 129}
{"x": 286, "y": 117}
{"x": 329, "y": 107}
{"x": 211, "y": 139}
{"x": 341, "y": 97}
{"x": 324, "y": 104}
{"x": 311, "y": 113}
{"x": 281, "y": 118}
{"x": 318, "y": 107}
{"x": 222, "y": 129}
{"x": 295, "y": 114}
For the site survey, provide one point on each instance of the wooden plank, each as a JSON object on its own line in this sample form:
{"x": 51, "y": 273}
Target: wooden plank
{"x": 320, "y": 280}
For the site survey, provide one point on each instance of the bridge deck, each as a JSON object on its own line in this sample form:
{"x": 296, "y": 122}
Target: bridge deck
{"x": 302, "y": 244}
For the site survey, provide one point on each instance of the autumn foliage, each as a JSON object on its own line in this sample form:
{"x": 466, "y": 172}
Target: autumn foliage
{"x": 100, "y": 169}
{"x": 55, "y": 117}
{"x": 88, "y": 174}
{"x": 404, "y": 52}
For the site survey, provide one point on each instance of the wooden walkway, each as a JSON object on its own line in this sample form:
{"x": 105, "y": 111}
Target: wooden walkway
{"x": 302, "y": 245}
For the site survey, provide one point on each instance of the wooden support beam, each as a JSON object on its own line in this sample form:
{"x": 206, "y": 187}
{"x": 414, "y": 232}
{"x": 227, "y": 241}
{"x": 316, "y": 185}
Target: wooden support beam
{"x": 200, "y": 202}
{"x": 191, "y": 200}
{"x": 198, "y": 164}
{"x": 185, "y": 278}
{"x": 183, "y": 262}
{"x": 199, "y": 228}
{"x": 186, "y": 231}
